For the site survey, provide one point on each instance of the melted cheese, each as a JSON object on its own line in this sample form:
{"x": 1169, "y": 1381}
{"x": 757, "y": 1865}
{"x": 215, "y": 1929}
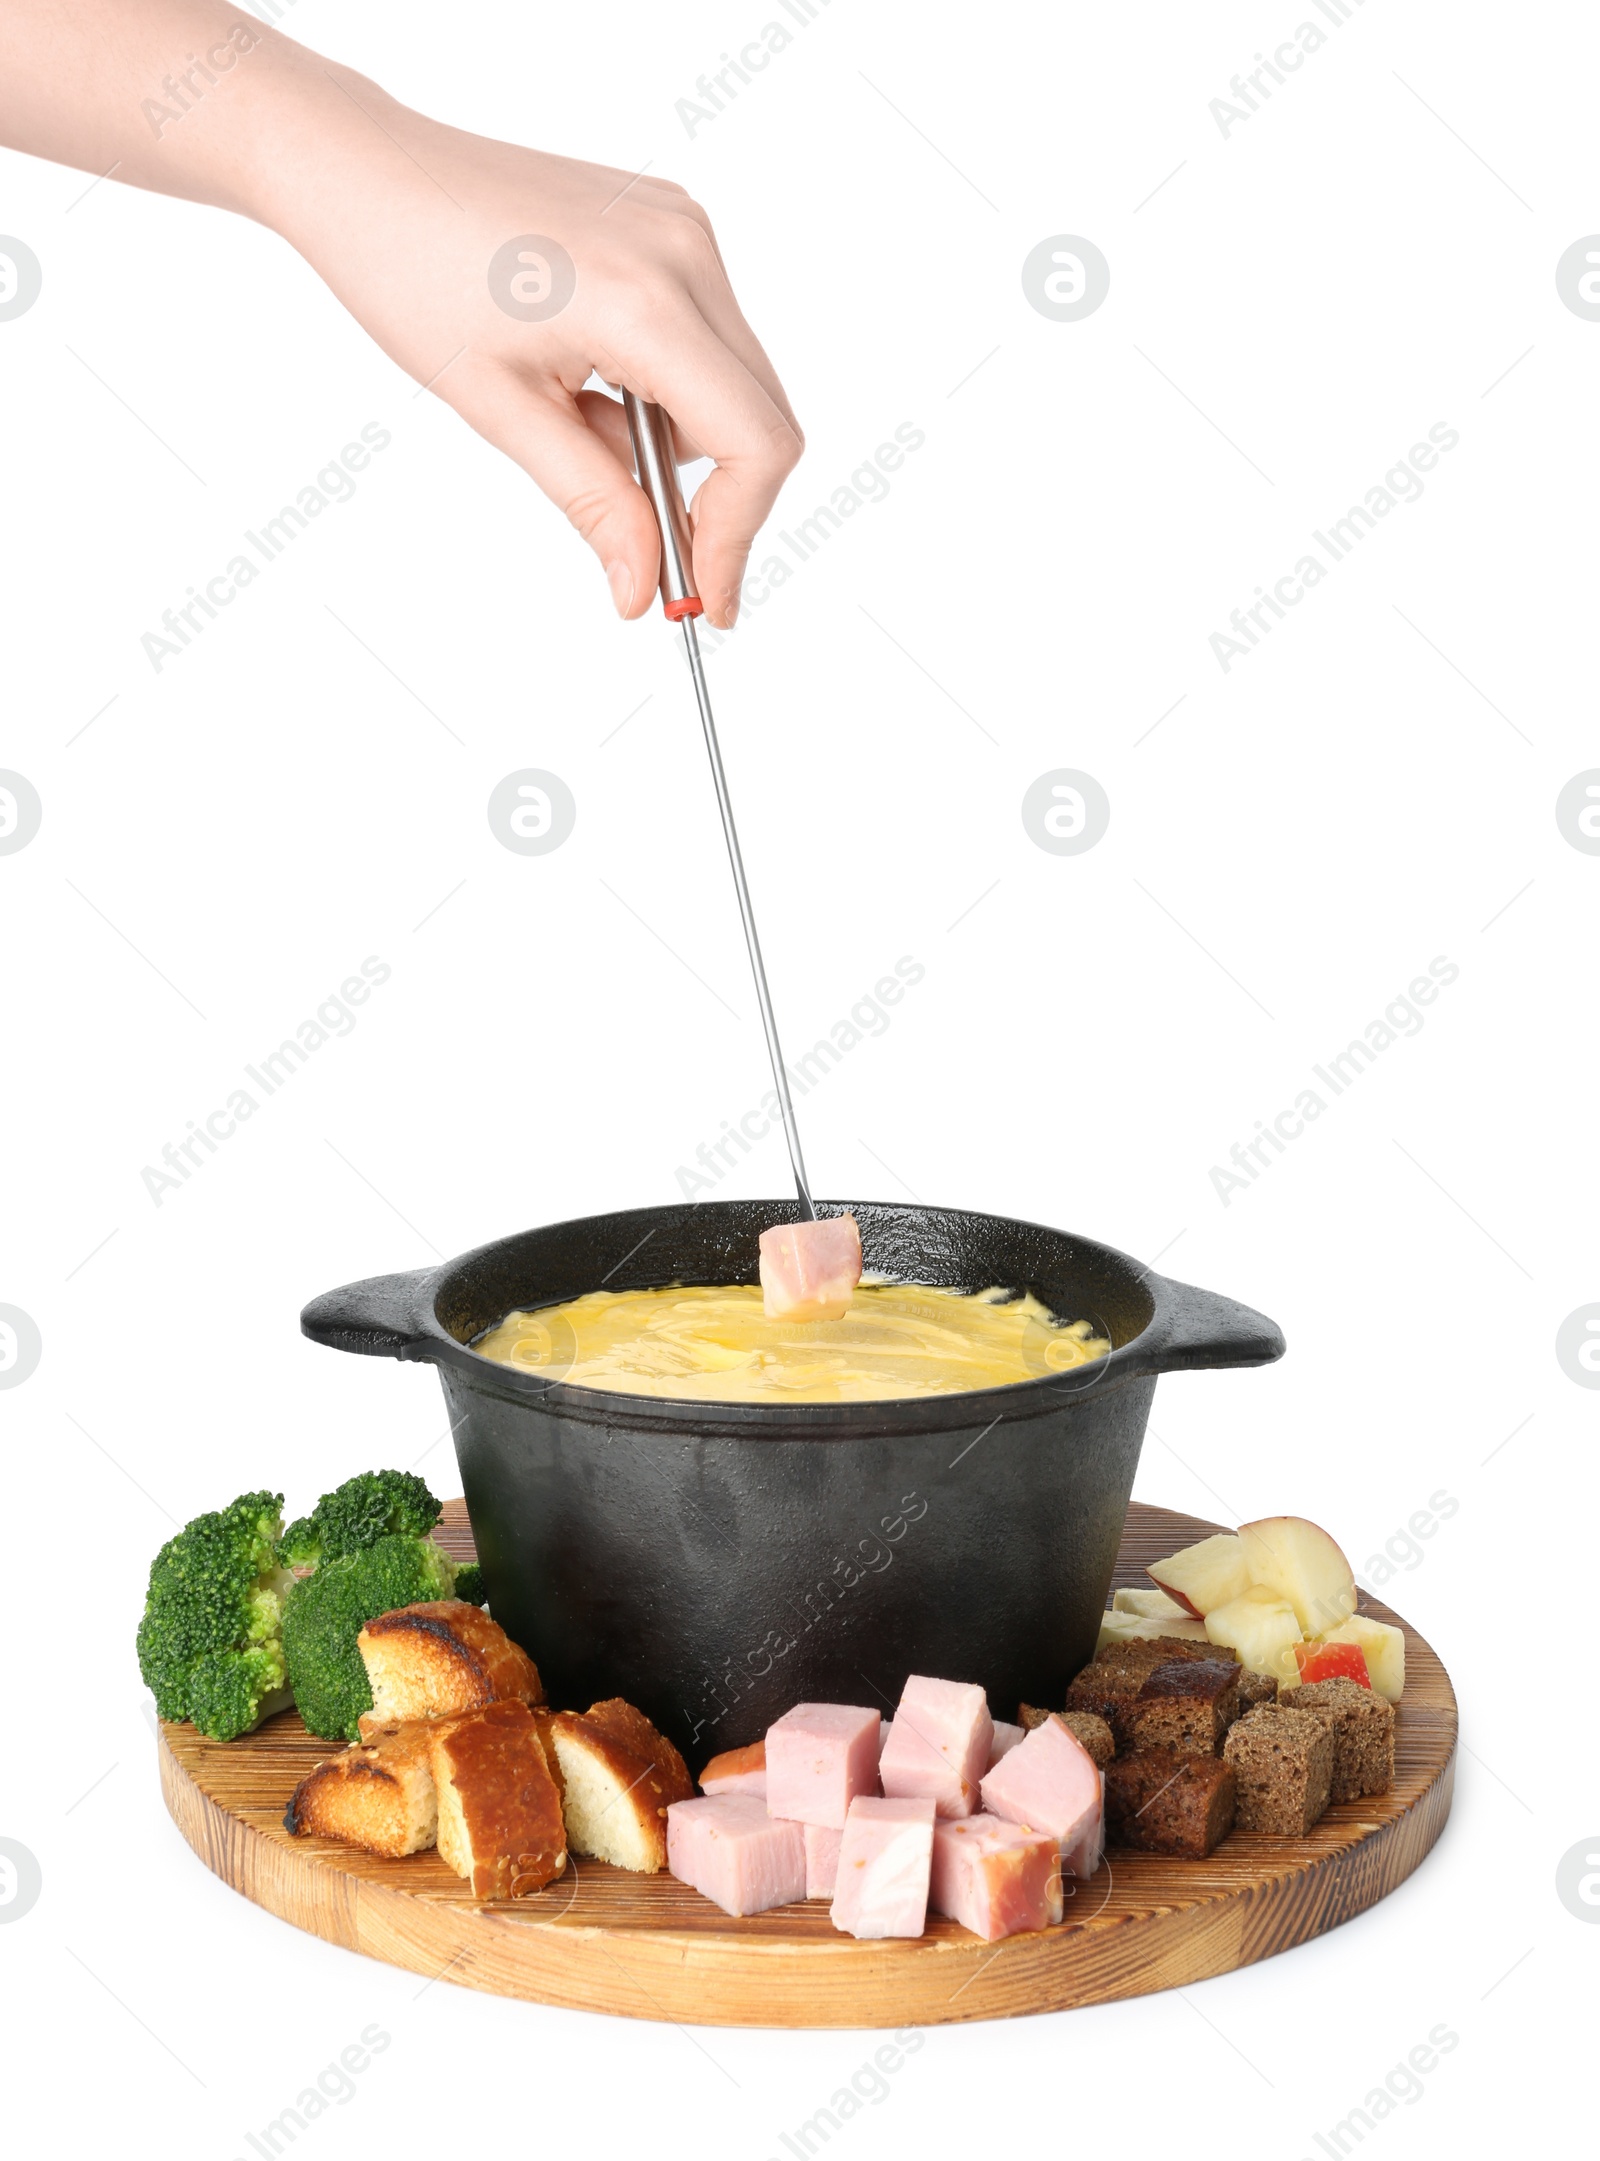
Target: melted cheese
{"x": 714, "y": 1345}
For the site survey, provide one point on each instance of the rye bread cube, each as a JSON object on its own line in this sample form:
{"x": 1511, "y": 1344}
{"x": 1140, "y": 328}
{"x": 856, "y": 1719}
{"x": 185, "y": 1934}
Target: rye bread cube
{"x": 1363, "y": 1734}
{"x": 1255, "y": 1688}
{"x": 1283, "y": 1761}
{"x": 1163, "y": 1802}
{"x": 1187, "y": 1704}
{"x": 1118, "y": 1672}
{"x": 1144, "y": 1653}
{"x": 1091, "y": 1732}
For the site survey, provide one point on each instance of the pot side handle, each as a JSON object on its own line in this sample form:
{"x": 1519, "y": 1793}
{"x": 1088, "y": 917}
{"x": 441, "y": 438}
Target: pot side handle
{"x": 1205, "y": 1330}
{"x": 379, "y": 1318}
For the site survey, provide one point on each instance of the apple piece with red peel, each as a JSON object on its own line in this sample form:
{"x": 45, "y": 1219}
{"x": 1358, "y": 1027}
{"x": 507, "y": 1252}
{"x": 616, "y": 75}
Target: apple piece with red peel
{"x": 1301, "y": 1563}
{"x": 1135, "y": 1627}
{"x": 1332, "y": 1662}
{"x": 1205, "y": 1576}
{"x": 1383, "y": 1647}
{"x": 1263, "y": 1629}
{"x": 1152, "y": 1605}
{"x": 809, "y": 1271}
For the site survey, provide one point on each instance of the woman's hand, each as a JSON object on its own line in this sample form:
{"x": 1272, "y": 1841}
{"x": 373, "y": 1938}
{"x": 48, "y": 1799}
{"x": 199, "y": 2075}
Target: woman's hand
{"x": 414, "y": 225}
{"x": 417, "y": 239}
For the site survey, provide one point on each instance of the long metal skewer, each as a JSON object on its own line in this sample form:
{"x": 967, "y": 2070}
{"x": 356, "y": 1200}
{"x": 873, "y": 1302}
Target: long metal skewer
{"x": 651, "y": 432}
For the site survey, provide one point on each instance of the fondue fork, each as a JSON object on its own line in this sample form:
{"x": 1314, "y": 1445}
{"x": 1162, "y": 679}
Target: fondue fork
{"x": 651, "y": 433}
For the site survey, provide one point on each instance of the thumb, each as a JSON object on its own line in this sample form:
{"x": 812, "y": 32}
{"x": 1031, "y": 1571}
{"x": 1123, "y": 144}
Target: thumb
{"x": 546, "y": 431}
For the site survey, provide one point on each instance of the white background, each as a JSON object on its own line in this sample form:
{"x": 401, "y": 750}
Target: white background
{"x": 1291, "y": 845}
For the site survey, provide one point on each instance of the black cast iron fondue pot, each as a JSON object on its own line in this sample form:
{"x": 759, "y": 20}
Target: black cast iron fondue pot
{"x": 715, "y": 1563}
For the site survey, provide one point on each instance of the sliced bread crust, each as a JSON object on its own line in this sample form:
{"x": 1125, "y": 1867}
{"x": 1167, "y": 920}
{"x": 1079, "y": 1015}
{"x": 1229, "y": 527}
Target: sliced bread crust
{"x": 619, "y": 1778}
{"x": 377, "y": 1796}
{"x": 441, "y": 1656}
{"x": 499, "y": 1822}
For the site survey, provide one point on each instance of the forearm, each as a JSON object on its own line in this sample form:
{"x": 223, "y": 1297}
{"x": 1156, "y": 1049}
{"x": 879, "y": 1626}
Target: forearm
{"x": 432, "y": 237}
{"x": 185, "y": 97}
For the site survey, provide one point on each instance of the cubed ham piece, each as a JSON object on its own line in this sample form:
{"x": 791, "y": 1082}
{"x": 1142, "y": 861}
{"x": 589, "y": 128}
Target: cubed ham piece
{"x": 810, "y": 1270}
{"x": 726, "y": 1847}
{"x": 938, "y": 1745}
{"x": 994, "y": 1877}
{"x": 1086, "y": 1856}
{"x": 822, "y": 1859}
{"x": 1050, "y": 1782}
{"x": 885, "y": 1857}
{"x": 819, "y": 1757}
{"x": 1005, "y": 1739}
{"x": 883, "y": 1737}
{"x": 737, "y": 1770}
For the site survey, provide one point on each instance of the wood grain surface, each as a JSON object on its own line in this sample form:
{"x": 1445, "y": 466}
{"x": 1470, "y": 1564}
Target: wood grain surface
{"x": 599, "y": 1939}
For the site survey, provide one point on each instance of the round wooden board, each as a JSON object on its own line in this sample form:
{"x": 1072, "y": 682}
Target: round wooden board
{"x": 600, "y": 1939}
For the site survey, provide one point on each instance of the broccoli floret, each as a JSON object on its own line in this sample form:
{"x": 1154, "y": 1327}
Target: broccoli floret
{"x": 210, "y": 1642}
{"x": 373, "y": 1505}
{"x": 301, "y": 1544}
{"x": 469, "y": 1584}
{"x": 325, "y": 1612}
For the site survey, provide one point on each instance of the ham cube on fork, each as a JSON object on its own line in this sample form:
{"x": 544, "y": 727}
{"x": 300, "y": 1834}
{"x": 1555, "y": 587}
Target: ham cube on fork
{"x": 809, "y": 1270}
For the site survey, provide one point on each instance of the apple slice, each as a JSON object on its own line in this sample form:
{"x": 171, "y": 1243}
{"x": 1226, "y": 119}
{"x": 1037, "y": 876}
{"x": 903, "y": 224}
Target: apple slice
{"x": 1154, "y": 1605}
{"x": 1332, "y": 1662}
{"x": 1384, "y": 1648}
{"x": 1206, "y": 1575}
{"x": 1131, "y": 1627}
{"x": 1301, "y": 1563}
{"x": 1263, "y": 1629}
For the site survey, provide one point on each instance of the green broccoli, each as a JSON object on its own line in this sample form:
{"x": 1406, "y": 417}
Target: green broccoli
{"x": 210, "y": 1643}
{"x": 469, "y": 1584}
{"x": 373, "y": 1505}
{"x": 325, "y": 1612}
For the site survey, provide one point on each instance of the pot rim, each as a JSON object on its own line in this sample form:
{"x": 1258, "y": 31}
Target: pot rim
{"x": 1187, "y": 1328}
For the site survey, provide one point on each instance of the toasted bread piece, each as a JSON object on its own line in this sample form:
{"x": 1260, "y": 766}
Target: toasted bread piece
{"x": 441, "y": 1656}
{"x": 619, "y": 1778}
{"x": 379, "y": 1797}
{"x": 543, "y": 1719}
{"x": 499, "y": 1820}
